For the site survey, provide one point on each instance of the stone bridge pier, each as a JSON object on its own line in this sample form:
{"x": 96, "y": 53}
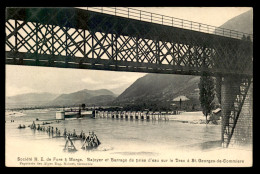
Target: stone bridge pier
{"x": 235, "y": 101}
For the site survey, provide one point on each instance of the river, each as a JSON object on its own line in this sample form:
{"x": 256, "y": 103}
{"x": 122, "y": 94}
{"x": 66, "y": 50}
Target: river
{"x": 120, "y": 139}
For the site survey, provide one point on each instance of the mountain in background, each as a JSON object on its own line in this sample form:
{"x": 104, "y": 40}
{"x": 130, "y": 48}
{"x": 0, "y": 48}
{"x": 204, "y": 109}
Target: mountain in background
{"x": 29, "y": 99}
{"x": 88, "y": 97}
{"x": 242, "y": 23}
{"x": 160, "y": 88}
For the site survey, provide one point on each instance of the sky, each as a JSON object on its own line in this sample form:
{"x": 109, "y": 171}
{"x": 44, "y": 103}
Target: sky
{"x": 214, "y": 16}
{"x": 27, "y": 79}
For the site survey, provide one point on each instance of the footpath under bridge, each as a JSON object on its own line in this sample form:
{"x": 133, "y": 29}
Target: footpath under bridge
{"x": 125, "y": 39}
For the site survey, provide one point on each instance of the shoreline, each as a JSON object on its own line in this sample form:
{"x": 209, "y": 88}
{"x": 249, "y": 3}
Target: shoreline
{"x": 190, "y": 117}
{"x": 195, "y": 117}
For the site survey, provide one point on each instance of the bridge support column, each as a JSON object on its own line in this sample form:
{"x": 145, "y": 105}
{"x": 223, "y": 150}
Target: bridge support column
{"x": 229, "y": 91}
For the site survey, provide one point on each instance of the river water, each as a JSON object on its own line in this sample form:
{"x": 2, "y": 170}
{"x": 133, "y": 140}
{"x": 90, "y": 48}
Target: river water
{"x": 120, "y": 139}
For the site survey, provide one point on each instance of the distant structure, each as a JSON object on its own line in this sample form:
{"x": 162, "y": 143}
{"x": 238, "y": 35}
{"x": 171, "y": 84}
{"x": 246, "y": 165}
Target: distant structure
{"x": 60, "y": 115}
{"x": 181, "y": 97}
{"x": 216, "y": 114}
{"x": 180, "y": 102}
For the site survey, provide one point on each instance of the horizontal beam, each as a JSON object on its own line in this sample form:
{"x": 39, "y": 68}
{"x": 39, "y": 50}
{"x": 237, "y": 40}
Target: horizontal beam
{"x": 106, "y": 64}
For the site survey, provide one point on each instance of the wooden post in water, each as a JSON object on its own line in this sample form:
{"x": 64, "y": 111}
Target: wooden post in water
{"x": 116, "y": 114}
{"x": 119, "y": 115}
{"x": 124, "y": 114}
{"x": 144, "y": 115}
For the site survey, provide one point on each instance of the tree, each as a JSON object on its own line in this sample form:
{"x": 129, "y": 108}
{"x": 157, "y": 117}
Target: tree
{"x": 206, "y": 87}
{"x": 218, "y": 88}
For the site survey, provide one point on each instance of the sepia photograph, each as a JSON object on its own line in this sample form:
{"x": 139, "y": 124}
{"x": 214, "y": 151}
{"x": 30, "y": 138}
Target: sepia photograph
{"x": 129, "y": 87}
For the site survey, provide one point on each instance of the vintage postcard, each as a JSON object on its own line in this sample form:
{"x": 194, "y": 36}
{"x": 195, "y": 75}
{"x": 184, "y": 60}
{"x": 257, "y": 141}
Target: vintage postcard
{"x": 129, "y": 87}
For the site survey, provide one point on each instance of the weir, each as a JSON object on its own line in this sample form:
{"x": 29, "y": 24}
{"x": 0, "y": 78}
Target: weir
{"x": 133, "y": 115}
{"x": 117, "y": 41}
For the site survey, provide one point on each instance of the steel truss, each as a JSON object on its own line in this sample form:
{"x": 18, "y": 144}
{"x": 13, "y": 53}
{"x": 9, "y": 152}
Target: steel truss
{"x": 73, "y": 38}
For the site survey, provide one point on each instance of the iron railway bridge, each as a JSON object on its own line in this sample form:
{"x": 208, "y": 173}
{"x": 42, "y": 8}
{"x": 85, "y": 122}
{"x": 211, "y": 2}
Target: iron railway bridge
{"x": 126, "y": 39}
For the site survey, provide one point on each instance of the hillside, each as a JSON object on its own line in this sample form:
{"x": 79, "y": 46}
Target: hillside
{"x": 242, "y": 23}
{"x": 88, "y": 97}
{"x": 30, "y": 99}
{"x": 160, "y": 88}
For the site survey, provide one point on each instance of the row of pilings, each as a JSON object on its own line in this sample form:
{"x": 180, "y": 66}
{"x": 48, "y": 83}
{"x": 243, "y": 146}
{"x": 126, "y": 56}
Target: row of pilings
{"x": 135, "y": 115}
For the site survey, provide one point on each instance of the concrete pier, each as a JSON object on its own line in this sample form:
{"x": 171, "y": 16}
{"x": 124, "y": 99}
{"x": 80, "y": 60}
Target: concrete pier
{"x": 132, "y": 115}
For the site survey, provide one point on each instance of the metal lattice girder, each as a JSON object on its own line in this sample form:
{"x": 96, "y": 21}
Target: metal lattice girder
{"x": 75, "y": 38}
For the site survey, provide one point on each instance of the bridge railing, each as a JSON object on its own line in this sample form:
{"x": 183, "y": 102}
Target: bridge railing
{"x": 169, "y": 21}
